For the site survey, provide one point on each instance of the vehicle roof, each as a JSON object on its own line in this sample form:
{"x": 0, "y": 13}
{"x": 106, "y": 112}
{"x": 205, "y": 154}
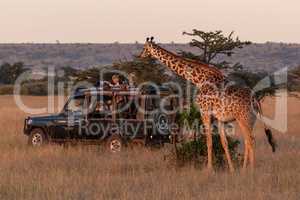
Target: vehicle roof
{"x": 131, "y": 91}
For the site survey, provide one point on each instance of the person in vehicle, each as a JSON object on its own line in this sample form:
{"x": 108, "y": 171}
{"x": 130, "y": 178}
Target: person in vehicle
{"x": 115, "y": 81}
{"x": 131, "y": 80}
{"x": 100, "y": 107}
{"x": 76, "y": 105}
{"x": 101, "y": 110}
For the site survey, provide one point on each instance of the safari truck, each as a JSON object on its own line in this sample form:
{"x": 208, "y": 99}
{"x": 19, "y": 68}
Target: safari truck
{"x": 113, "y": 117}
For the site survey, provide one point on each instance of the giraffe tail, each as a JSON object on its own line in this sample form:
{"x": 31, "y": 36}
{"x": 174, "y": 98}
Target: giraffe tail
{"x": 268, "y": 131}
{"x": 271, "y": 139}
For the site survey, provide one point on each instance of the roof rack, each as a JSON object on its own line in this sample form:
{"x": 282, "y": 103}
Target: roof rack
{"x": 123, "y": 90}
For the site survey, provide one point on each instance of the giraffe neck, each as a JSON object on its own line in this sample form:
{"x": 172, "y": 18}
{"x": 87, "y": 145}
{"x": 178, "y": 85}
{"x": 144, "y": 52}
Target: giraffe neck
{"x": 196, "y": 72}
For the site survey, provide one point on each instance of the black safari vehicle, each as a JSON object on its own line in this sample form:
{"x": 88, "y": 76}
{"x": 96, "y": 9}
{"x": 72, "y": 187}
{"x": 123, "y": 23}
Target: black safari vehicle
{"x": 113, "y": 117}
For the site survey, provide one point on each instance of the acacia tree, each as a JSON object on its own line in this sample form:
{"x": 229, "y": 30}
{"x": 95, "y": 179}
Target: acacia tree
{"x": 144, "y": 69}
{"x": 212, "y": 44}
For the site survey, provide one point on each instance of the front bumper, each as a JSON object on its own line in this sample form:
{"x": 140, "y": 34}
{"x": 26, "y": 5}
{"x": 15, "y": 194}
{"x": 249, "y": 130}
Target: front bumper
{"x": 26, "y": 128}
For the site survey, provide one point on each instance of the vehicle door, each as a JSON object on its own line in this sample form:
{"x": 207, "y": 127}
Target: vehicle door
{"x": 71, "y": 120}
{"x": 100, "y": 119}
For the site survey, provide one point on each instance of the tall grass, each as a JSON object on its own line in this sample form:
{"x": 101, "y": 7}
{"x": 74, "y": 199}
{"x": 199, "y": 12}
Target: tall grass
{"x": 80, "y": 172}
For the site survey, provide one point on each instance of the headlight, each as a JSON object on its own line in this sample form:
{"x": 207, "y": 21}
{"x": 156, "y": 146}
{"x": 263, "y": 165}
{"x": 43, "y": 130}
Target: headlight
{"x": 29, "y": 121}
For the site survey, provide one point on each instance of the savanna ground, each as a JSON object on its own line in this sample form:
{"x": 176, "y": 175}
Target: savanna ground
{"x": 55, "y": 172}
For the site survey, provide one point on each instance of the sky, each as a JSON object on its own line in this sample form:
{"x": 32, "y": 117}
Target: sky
{"x": 127, "y": 21}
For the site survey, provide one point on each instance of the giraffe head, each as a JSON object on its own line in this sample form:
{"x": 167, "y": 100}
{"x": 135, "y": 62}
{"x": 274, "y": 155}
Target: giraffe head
{"x": 146, "y": 53}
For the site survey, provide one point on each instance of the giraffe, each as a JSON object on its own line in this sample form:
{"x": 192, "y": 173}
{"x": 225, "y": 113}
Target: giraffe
{"x": 215, "y": 99}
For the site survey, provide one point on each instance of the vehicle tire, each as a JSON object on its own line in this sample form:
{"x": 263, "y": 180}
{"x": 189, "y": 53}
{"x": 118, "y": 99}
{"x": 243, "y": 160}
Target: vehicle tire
{"x": 115, "y": 144}
{"x": 162, "y": 123}
{"x": 37, "y": 138}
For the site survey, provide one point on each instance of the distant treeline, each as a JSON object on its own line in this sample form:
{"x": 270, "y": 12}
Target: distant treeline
{"x": 267, "y": 56}
{"x": 210, "y": 47}
{"x": 145, "y": 70}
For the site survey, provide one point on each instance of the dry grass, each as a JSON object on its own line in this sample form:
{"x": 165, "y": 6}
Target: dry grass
{"x": 55, "y": 172}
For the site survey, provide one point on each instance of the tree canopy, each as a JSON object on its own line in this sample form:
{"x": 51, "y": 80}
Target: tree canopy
{"x": 144, "y": 70}
{"x": 212, "y": 44}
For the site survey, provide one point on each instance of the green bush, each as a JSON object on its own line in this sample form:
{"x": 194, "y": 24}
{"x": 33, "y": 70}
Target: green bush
{"x": 36, "y": 88}
{"x": 195, "y": 152}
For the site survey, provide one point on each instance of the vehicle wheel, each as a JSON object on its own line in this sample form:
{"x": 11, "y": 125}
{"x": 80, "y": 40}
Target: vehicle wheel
{"x": 115, "y": 143}
{"x": 162, "y": 123}
{"x": 37, "y": 138}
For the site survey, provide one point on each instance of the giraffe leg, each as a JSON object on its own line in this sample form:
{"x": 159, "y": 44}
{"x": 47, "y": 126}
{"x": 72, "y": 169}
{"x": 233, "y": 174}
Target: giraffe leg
{"x": 225, "y": 146}
{"x": 245, "y": 154}
{"x": 249, "y": 142}
{"x": 251, "y": 152}
{"x": 207, "y": 126}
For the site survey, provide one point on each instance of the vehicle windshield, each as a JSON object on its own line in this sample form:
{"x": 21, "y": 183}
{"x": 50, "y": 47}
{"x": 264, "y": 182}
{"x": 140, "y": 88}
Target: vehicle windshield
{"x": 76, "y": 104}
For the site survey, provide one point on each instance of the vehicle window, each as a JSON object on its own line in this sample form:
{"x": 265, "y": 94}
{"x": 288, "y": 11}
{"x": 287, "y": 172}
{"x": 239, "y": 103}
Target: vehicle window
{"x": 167, "y": 105}
{"x": 164, "y": 103}
{"x": 151, "y": 103}
{"x": 76, "y": 104}
{"x": 101, "y": 107}
{"x": 104, "y": 103}
{"x": 126, "y": 107}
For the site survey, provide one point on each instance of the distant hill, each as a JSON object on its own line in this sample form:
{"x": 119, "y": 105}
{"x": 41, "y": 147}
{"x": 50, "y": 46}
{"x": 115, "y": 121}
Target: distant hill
{"x": 268, "y": 56}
